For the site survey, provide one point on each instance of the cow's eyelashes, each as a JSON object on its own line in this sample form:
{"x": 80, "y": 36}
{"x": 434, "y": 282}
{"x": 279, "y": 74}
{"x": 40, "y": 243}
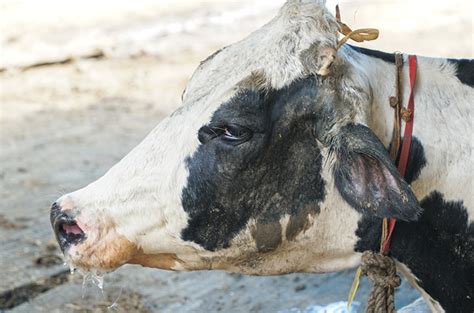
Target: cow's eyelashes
{"x": 236, "y": 134}
{"x": 229, "y": 133}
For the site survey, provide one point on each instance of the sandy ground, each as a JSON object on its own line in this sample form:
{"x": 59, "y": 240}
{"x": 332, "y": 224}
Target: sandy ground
{"x": 64, "y": 125}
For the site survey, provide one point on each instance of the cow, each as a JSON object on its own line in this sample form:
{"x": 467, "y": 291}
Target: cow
{"x": 277, "y": 162}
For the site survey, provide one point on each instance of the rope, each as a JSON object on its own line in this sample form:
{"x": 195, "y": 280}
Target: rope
{"x": 396, "y": 104}
{"x": 358, "y": 35}
{"x": 381, "y": 270}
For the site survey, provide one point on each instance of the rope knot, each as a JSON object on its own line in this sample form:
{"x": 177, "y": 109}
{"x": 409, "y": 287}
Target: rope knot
{"x": 393, "y": 101}
{"x": 407, "y": 115}
{"x": 381, "y": 270}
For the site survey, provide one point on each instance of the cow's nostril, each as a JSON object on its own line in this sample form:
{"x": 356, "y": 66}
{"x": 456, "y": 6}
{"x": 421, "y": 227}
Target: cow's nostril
{"x": 69, "y": 233}
{"x": 72, "y": 229}
{"x": 66, "y": 229}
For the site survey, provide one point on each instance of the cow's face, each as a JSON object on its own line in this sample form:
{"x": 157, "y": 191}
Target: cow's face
{"x": 265, "y": 169}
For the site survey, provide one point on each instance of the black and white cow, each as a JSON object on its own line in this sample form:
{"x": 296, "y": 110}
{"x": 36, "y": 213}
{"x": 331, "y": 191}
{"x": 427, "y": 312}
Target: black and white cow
{"x": 270, "y": 168}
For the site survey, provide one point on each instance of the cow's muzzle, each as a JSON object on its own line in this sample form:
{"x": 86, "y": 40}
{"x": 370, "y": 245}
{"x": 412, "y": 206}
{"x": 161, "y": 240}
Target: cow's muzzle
{"x": 65, "y": 227}
{"x": 90, "y": 240}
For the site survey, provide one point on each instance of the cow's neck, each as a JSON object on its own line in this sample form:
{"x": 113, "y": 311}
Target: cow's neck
{"x": 441, "y": 99}
{"x": 438, "y": 90}
{"x": 374, "y": 73}
{"x": 435, "y": 253}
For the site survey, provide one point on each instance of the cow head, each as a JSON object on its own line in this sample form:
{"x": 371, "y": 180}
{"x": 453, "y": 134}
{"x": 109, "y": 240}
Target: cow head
{"x": 265, "y": 169}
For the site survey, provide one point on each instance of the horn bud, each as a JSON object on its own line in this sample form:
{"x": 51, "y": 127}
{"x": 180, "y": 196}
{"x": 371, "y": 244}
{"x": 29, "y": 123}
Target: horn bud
{"x": 325, "y": 59}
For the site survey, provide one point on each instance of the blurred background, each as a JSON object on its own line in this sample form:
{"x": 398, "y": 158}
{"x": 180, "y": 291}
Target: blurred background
{"x": 82, "y": 82}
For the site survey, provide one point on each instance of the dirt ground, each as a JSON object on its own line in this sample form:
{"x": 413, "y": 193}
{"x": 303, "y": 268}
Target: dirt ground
{"x": 83, "y": 82}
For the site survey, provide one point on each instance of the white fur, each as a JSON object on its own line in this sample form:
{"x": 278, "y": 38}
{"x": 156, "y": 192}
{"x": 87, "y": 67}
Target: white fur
{"x": 275, "y": 48}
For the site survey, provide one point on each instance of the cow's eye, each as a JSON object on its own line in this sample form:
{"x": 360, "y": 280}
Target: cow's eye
{"x": 236, "y": 134}
{"x": 231, "y": 133}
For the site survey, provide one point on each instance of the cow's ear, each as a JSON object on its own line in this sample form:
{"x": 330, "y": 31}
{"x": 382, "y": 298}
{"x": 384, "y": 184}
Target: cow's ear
{"x": 367, "y": 178}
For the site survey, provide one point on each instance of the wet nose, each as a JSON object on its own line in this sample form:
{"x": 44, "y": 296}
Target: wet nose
{"x": 65, "y": 227}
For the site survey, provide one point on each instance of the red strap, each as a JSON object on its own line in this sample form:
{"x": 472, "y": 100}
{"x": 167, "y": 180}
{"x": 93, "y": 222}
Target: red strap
{"x": 403, "y": 160}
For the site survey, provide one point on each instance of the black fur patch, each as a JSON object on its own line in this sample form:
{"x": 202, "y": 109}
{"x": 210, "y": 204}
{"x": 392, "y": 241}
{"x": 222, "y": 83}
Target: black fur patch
{"x": 387, "y": 57}
{"x": 438, "y": 249}
{"x": 276, "y": 172}
{"x": 464, "y": 70}
{"x": 416, "y": 160}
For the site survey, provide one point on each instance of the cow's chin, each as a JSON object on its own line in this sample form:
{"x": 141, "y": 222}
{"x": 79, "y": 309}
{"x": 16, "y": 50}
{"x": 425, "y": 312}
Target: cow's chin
{"x": 101, "y": 253}
{"x": 110, "y": 251}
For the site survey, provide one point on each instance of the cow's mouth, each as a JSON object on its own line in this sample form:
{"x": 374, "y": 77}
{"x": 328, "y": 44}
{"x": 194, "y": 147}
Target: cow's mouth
{"x": 67, "y": 231}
